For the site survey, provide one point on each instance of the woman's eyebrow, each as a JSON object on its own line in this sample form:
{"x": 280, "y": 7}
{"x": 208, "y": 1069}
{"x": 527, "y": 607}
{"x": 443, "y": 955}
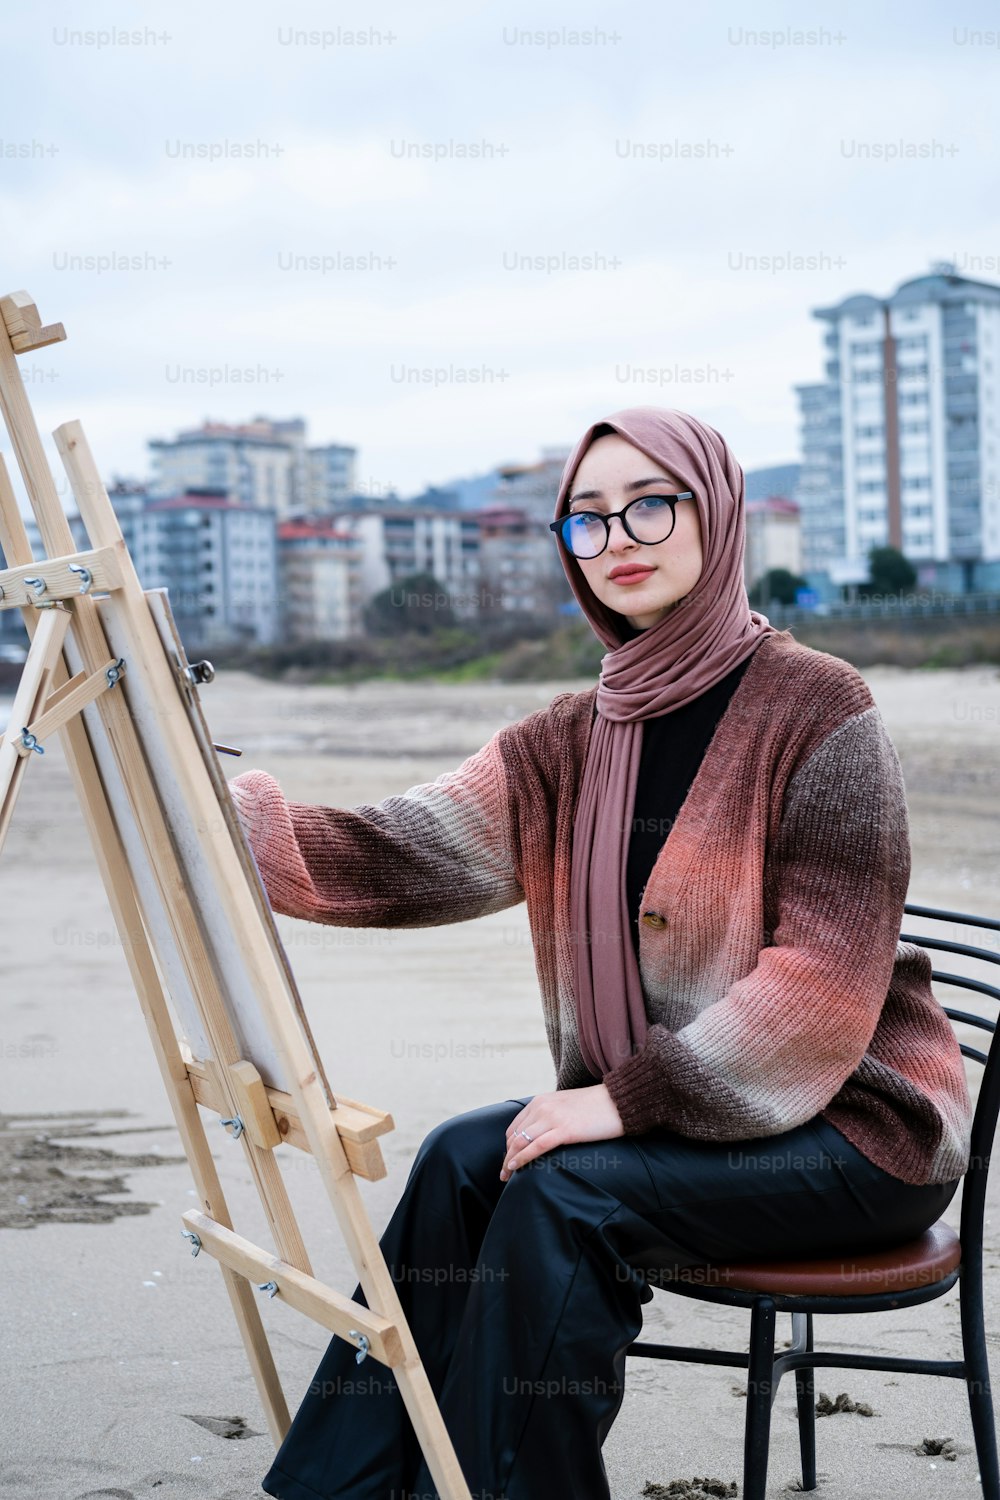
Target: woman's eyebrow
{"x": 633, "y": 484}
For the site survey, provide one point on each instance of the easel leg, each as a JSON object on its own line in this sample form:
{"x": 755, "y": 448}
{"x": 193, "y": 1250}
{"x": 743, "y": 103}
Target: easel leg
{"x": 46, "y": 645}
{"x": 239, "y": 904}
{"x": 111, "y": 859}
{"x": 428, "y": 1424}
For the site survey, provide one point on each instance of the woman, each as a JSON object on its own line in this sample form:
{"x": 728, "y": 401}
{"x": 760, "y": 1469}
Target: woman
{"x": 713, "y": 848}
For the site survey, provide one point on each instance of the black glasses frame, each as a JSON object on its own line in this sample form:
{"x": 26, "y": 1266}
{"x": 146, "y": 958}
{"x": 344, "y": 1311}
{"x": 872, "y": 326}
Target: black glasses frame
{"x": 607, "y": 518}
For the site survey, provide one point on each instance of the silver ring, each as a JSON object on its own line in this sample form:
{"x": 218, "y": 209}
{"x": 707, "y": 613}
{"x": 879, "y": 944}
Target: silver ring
{"x": 527, "y": 1137}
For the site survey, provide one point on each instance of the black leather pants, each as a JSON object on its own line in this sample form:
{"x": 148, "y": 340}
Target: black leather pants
{"x": 523, "y": 1296}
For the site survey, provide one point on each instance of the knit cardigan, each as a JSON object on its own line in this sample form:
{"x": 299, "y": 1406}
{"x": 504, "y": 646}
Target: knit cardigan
{"x": 775, "y": 983}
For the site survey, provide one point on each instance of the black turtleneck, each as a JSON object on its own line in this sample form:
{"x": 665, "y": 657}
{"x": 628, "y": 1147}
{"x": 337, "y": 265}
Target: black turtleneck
{"x": 673, "y": 745}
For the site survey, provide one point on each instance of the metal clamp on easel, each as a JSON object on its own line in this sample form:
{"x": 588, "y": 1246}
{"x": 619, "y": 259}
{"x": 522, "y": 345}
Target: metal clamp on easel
{"x": 39, "y": 586}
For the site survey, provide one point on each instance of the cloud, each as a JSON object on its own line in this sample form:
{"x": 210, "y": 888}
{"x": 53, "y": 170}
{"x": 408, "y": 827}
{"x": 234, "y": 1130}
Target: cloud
{"x": 204, "y": 256}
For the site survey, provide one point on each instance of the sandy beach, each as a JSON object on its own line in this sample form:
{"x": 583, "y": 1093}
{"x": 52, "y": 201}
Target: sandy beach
{"x": 124, "y": 1375}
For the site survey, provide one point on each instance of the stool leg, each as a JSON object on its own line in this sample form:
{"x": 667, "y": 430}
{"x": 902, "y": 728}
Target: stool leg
{"x": 760, "y": 1380}
{"x": 805, "y": 1400}
{"x": 977, "y": 1377}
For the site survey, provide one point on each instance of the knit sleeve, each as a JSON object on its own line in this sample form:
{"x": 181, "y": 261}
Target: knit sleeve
{"x": 443, "y": 851}
{"x": 776, "y": 1048}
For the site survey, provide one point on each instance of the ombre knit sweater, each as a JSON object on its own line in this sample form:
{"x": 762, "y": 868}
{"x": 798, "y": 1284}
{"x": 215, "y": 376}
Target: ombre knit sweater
{"x": 776, "y": 985}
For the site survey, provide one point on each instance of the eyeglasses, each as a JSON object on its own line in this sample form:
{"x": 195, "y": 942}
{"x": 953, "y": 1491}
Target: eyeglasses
{"x": 649, "y": 519}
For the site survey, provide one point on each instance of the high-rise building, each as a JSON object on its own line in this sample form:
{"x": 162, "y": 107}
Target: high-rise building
{"x": 252, "y": 464}
{"x": 773, "y": 479}
{"x": 901, "y": 440}
{"x": 400, "y": 540}
{"x": 519, "y": 566}
{"x": 330, "y": 475}
{"x": 216, "y": 559}
{"x": 532, "y": 487}
{"x": 263, "y": 463}
{"x": 319, "y": 569}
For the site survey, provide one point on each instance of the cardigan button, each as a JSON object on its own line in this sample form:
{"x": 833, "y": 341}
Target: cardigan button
{"x": 654, "y": 919}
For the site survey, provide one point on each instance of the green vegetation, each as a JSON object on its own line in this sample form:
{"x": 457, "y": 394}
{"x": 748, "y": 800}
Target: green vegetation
{"x": 508, "y": 651}
{"x": 413, "y": 633}
{"x": 456, "y": 652}
{"x": 776, "y": 584}
{"x": 417, "y": 604}
{"x": 891, "y": 573}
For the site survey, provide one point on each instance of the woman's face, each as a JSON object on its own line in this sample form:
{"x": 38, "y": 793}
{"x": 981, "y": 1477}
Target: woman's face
{"x": 611, "y": 473}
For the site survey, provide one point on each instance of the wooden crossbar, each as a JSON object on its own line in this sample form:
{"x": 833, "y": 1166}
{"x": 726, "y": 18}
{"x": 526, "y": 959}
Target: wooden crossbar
{"x": 95, "y": 571}
{"x": 358, "y": 1125}
{"x": 326, "y": 1307}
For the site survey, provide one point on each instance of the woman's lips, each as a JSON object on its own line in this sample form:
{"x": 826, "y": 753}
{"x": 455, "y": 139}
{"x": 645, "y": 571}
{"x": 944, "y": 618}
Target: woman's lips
{"x": 634, "y": 575}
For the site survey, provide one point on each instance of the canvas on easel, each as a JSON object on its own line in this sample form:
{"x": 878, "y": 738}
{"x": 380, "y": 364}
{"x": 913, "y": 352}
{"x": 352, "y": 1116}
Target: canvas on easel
{"x": 107, "y": 671}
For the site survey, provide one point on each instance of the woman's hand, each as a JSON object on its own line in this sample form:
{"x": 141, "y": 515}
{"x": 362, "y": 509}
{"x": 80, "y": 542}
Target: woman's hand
{"x": 560, "y": 1119}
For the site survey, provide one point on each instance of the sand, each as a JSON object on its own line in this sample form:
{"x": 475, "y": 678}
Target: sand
{"x": 124, "y": 1375}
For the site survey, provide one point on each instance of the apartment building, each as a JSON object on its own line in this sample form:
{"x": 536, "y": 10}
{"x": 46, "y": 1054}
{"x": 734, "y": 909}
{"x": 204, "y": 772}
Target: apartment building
{"x": 320, "y": 575}
{"x": 217, "y": 559}
{"x": 901, "y": 439}
{"x": 399, "y": 540}
{"x": 773, "y": 538}
{"x": 263, "y": 463}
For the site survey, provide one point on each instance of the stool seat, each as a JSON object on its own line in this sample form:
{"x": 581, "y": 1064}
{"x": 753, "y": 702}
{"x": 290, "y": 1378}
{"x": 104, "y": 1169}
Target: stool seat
{"x": 920, "y": 1262}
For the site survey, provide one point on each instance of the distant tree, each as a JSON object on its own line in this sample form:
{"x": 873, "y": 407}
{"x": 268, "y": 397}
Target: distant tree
{"x": 777, "y": 584}
{"x": 417, "y": 602}
{"x": 891, "y": 572}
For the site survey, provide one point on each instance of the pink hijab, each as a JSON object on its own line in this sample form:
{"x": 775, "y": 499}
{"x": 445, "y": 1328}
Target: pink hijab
{"x": 675, "y": 660}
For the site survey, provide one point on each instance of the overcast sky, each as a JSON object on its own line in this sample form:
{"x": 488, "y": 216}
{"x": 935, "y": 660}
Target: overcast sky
{"x": 867, "y": 148}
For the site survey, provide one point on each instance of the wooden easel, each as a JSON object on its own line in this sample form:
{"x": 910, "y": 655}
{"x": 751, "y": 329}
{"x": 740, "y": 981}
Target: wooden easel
{"x": 106, "y": 671}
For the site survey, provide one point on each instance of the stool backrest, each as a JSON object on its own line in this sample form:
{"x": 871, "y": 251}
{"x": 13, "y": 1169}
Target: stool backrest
{"x": 981, "y": 980}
